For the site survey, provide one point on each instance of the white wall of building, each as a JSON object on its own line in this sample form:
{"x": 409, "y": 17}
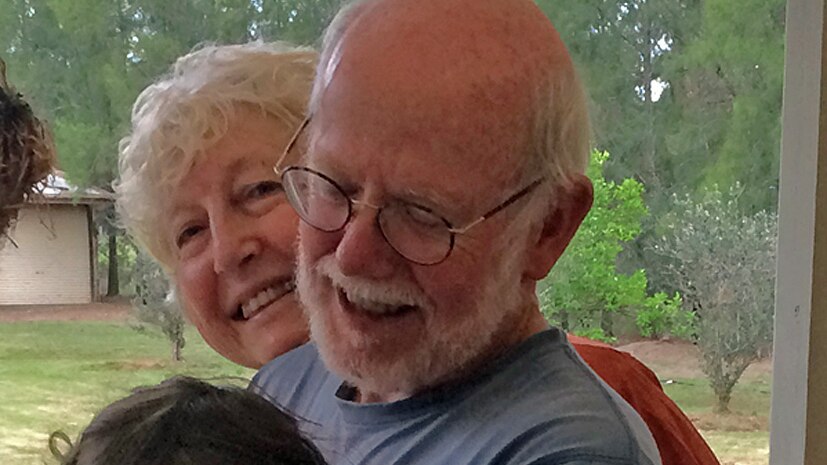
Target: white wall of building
{"x": 52, "y": 263}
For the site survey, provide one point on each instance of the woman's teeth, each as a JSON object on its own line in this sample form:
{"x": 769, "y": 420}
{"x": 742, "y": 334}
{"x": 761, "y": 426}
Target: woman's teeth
{"x": 264, "y": 298}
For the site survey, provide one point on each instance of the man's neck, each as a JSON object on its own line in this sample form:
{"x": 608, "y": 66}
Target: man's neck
{"x": 373, "y": 398}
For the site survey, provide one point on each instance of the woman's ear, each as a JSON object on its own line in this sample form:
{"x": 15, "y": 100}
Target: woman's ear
{"x": 572, "y": 204}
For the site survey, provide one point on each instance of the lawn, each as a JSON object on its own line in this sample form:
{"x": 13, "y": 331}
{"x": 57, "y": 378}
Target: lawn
{"x": 740, "y": 438}
{"x": 56, "y": 375}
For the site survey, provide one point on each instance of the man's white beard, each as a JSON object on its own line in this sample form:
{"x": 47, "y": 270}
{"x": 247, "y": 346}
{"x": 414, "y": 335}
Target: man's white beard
{"x": 444, "y": 351}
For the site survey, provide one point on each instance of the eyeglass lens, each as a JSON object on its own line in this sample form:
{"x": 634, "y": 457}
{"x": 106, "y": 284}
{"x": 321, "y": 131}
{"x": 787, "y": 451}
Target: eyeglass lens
{"x": 414, "y": 232}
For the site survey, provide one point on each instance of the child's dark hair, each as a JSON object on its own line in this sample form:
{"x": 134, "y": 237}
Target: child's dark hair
{"x": 186, "y": 421}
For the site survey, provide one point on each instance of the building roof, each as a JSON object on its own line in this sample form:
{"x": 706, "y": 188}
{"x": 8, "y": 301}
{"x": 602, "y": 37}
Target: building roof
{"x": 56, "y": 189}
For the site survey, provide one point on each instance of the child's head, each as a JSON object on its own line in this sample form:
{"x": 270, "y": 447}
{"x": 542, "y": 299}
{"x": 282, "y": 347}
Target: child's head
{"x": 184, "y": 421}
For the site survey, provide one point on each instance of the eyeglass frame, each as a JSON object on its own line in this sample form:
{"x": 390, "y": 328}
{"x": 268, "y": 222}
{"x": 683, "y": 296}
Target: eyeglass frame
{"x": 352, "y": 202}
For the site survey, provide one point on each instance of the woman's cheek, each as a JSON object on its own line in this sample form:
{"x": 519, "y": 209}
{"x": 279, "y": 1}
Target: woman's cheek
{"x": 196, "y": 287}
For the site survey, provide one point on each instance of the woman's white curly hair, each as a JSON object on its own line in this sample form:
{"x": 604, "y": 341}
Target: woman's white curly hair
{"x": 176, "y": 119}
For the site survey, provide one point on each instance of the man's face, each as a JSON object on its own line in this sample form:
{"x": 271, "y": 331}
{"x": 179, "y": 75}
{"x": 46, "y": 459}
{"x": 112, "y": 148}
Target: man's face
{"x": 382, "y": 150}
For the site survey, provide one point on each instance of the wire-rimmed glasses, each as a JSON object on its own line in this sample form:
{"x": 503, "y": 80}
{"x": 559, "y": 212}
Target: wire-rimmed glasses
{"x": 415, "y": 232}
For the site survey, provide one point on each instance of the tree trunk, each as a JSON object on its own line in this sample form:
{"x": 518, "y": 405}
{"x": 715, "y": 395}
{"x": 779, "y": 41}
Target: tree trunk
{"x": 649, "y": 170}
{"x": 722, "y": 402}
{"x": 113, "y": 283}
{"x": 607, "y": 324}
{"x": 563, "y": 316}
{"x": 176, "y": 350}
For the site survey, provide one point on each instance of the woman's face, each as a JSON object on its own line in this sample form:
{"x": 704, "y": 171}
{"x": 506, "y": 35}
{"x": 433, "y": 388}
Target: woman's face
{"x": 233, "y": 232}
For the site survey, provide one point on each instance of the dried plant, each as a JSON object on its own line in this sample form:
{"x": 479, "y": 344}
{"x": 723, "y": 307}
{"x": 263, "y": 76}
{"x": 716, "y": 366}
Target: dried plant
{"x": 27, "y": 152}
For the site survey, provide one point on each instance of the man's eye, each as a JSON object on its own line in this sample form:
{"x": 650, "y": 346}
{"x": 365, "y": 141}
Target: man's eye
{"x": 422, "y": 217}
{"x": 263, "y": 189}
{"x": 187, "y": 234}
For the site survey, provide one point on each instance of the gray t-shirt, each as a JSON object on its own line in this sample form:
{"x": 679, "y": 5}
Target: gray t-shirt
{"x": 538, "y": 404}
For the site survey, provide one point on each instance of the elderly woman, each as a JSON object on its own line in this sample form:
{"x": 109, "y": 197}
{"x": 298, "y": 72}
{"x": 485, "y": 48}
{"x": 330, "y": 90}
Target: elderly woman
{"x": 197, "y": 190}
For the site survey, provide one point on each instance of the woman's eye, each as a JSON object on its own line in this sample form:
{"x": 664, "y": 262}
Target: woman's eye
{"x": 187, "y": 234}
{"x": 263, "y": 189}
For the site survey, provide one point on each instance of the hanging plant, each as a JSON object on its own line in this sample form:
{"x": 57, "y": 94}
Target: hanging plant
{"x": 27, "y": 152}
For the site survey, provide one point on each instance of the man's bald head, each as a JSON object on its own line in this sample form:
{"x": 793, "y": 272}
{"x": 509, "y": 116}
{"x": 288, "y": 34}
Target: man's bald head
{"x": 500, "y": 64}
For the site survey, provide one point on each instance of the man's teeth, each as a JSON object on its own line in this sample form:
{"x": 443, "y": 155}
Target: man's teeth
{"x": 265, "y": 297}
{"x": 375, "y": 307}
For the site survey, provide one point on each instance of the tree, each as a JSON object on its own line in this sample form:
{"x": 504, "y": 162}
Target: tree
{"x": 622, "y": 49}
{"x": 728, "y": 86}
{"x": 584, "y": 289}
{"x": 719, "y": 65}
{"x": 625, "y": 52}
{"x": 723, "y": 263}
{"x": 154, "y": 305}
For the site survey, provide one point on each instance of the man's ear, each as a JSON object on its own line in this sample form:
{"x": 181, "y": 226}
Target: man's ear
{"x": 572, "y": 203}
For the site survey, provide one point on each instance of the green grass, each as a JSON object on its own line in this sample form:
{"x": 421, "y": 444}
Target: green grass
{"x": 740, "y": 438}
{"x": 750, "y": 397}
{"x": 739, "y": 447}
{"x": 56, "y": 375}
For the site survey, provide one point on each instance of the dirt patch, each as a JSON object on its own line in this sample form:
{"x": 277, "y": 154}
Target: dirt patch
{"x": 730, "y": 422}
{"x": 681, "y": 359}
{"x": 109, "y": 311}
{"x": 134, "y": 364}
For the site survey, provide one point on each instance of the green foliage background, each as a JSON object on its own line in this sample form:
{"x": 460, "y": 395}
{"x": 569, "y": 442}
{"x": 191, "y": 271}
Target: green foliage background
{"x": 82, "y": 63}
{"x": 585, "y": 293}
{"x": 685, "y": 94}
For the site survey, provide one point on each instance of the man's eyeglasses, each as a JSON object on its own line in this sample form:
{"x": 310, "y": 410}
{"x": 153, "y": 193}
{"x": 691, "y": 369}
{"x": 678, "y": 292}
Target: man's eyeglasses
{"x": 414, "y": 231}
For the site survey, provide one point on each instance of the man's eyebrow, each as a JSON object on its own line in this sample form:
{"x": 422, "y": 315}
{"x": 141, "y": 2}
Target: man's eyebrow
{"x": 239, "y": 163}
{"x": 431, "y": 198}
{"x": 439, "y": 201}
{"x": 173, "y": 213}
{"x": 330, "y": 171}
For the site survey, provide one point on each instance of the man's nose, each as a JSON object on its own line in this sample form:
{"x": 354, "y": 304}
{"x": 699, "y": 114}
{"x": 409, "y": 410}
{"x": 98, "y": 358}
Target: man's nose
{"x": 234, "y": 243}
{"x": 363, "y": 250}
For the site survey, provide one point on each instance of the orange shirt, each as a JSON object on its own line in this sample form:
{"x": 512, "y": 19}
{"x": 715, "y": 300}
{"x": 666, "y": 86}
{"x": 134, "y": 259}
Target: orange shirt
{"x": 679, "y": 443}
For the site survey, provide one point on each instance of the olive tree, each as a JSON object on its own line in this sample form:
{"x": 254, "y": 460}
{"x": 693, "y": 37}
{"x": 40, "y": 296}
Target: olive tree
{"x": 722, "y": 261}
{"x": 154, "y": 305}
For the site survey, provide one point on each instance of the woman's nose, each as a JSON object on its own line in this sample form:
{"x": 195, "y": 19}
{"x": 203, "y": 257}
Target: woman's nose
{"x": 234, "y": 243}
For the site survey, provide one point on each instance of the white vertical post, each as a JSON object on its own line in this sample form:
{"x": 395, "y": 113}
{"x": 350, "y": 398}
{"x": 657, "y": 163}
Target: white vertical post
{"x": 798, "y": 426}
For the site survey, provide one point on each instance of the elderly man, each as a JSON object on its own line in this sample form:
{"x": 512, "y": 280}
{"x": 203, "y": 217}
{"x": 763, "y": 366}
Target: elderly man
{"x": 443, "y": 177}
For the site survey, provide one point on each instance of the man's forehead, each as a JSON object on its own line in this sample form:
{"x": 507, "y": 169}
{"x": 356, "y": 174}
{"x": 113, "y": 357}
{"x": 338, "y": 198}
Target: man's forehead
{"x": 462, "y": 72}
{"x": 410, "y": 65}
{"x": 439, "y": 85}
{"x": 416, "y": 170}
